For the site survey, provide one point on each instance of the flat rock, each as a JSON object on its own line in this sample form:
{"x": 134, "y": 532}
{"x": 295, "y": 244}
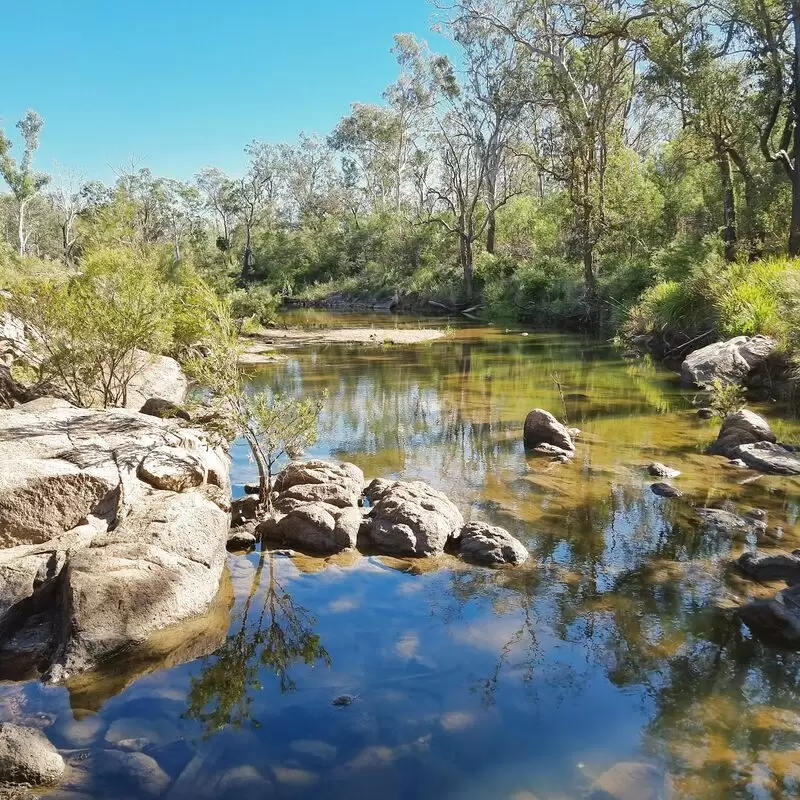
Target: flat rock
{"x": 27, "y": 757}
{"x": 171, "y": 468}
{"x": 658, "y": 470}
{"x": 722, "y": 520}
{"x": 541, "y": 427}
{"x": 731, "y": 361}
{"x": 412, "y": 518}
{"x": 489, "y": 544}
{"x": 768, "y": 457}
{"x": 775, "y": 621}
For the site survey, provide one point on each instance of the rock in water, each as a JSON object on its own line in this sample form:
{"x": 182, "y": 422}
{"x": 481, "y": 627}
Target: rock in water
{"x": 318, "y": 481}
{"x": 630, "y": 780}
{"x": 742, "y": 427}
{"x": 315, "y": 527}
{"x": 768, "y": 457}
{"x": 542, "y": 428}
{"x": 732, "y": 361}
{"x": 137, "y": 771}
{"x": 665, "y": 490}
{"x": 413, "y": 519}
{"x": 171, "y": 468}
{"x": 27, "y": 757}
{"x": 705, "y": 413}
{"x": 721, "y": 520}
{"x": 771, "y": 567}
{"x": 775, "y": 621}
{"x": 658, "y": 470}
{"x": 489, "y": 544}
{"x": 241, "y": 540}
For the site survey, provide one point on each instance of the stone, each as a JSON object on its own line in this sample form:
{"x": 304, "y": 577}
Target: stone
{"x": 732, "y": 361}
{"x": 705, "y": 413}
{"x": 775, "y": 621}
{"x": 156, "y": 376}
{"x": 771, "y": 566}
{"x": 315, "y": 527}
{"x": 541, "y": 427}
{"x": 489, "y": 544}
{"x": 165, "y": 409}
{"x": 343, "y": 700}
{"x": 137, "y": 771}
{"x": 171, "y": 468}
{"x": 27, "y": 757}
{"x": 208, "y": 779}
{"x": 629, "y": 780}
{"x": 768, "y": 457}
{"x": 665, "y": 490}
{"x": 148, "y": 732}
{"x": 162, "y": 565}
{"x": 318, "y": 481}
{"x": 241, "y": 540}
{"x": 721, "y": 520}
{"x": 412, "y": 518}
{"x": 547, "y": 449}
{"x": 78, "y": 733}
{"x": 658, "y": 470}
{"x": 741, "y": 427}
{"x": 244, "y": 509}
{"x": 377, "y": 489}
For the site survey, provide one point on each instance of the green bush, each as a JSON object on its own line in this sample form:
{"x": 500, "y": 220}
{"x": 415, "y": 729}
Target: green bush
{"x": 257, "y": 303}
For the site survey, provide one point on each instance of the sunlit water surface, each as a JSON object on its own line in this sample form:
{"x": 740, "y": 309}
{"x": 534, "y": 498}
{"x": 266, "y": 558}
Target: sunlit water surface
{"x": 614, "y": 643}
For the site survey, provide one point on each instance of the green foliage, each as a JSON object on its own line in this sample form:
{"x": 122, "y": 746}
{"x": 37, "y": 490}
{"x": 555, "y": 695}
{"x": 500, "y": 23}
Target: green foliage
{"x": 257, "y": 303}
{"x": 726, "y": 398}
{"x": 92, "y": 328}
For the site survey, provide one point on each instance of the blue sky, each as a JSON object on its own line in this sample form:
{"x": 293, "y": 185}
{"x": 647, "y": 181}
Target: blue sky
{"x": 183, "y": 84}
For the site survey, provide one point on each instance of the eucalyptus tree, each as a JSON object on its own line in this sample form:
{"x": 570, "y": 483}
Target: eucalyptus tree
{"x": 218, "y": 192}
{"x": 69, "y": 200}
{"x": 182, "y": 207}
{"x": 585, "y": 65}
{"x": 23, "y": 181}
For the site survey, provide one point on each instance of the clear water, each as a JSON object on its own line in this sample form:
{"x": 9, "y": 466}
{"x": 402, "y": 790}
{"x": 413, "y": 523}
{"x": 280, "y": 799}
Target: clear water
{"x": 614, "y": 643}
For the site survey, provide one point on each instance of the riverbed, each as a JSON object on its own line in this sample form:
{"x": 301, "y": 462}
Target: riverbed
{"x": 371, "y": 677}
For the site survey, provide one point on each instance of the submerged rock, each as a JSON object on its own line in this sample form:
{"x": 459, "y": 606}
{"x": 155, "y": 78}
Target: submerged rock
{"x": 630, "y": 780}
{"x": 665, "y": 490}
{"x": 413, "y": 519}
{"x": 705, "y": 413}
{"x": 136, "y": 771}
{"x": 489, "y": 544}
{"x": 722, "y": 520}
{"x": 733, "y": 361}
{"x": 27, "y": 757}
{"x": 542, "y": 428}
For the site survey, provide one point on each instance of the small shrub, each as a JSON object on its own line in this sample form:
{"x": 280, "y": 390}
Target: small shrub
{"x": 257, "y": 302}
{"x": 726, "y": 398}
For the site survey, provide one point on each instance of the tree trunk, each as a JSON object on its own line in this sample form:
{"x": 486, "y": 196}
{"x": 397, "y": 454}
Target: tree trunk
{"x": 728, "y": 204}
{"x": 794, "y": 233}
{"x": 21, "y": 229}
{"x": 466, "y": 265}
{"x": 247, "y": 258}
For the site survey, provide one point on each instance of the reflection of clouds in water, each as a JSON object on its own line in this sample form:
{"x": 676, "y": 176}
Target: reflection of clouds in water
{"x": 344, "y": 604}
{"x": 410, "y": 587}
{"x": 491, "y": 633}
{"x": 408, "y": 646}
{"x": 454, "y": 721}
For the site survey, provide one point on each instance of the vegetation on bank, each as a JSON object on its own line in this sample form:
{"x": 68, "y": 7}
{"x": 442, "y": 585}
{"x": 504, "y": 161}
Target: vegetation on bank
{"x": 632, "y": 167}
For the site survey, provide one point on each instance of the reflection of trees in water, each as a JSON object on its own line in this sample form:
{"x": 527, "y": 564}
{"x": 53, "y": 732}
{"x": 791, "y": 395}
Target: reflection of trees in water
{"x": 272, "y": 638}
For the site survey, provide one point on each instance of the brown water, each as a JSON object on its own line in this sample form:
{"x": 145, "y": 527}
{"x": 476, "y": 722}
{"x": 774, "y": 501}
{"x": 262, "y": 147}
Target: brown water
{"x": 614, "y": 643}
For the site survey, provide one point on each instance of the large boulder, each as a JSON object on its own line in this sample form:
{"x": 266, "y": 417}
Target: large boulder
{"x": 768, "y": 457}
{"x": 165, "y": 409}
{"x": 731, "y": 362}
{"x": 543, "y": 429}
{"x": 156, "y": 376}
{"x": 313, "y": 481}
{"x": 71, "y": 593}
{"x": 27, "y": 757}
{"x": 413, "y": 519}
{"x": 161, "y": 566}
{"x": 315, "y": 527}
{"x": 489, "y": 544}
{"x": 741, "y": 427}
